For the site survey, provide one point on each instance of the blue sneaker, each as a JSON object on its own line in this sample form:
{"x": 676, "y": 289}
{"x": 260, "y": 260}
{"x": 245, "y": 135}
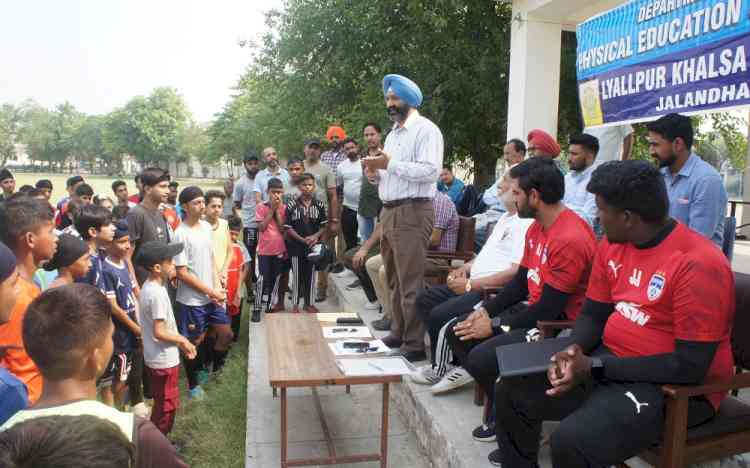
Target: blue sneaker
{"x": 197, "y": 393}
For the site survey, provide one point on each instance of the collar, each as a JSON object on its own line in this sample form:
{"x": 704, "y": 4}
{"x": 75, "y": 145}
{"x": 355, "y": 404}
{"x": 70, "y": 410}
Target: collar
{"x": 687, "y": 168}
{"x": 582, "y": 173}
{"x": 660, "y": 236}
{"x": 409, "y": 120}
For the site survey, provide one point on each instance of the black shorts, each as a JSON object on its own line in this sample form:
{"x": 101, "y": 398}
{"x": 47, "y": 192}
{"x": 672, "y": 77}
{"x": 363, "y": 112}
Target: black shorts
{"x": 118, "y": 369}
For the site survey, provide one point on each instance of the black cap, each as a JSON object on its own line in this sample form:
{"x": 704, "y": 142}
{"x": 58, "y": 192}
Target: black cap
{"x": 73, "y": 180}
{"x": 69, "y": 249}
{"x": 250, "y": 156}
{"x": 312, "y": 142}
{"x": 154, "y": 252}
{"x": 6, "y": 174}
{"x": 121, "y": 229}
{"x": 189, "y": 194}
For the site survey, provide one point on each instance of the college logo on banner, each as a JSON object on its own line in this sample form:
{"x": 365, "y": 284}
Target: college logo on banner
{"x": 648, "y": 58}
{"x": 655, "y": 286}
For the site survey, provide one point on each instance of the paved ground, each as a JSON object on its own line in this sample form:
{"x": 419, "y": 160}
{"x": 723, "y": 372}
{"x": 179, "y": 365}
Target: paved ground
{"x": 354, "y": 419}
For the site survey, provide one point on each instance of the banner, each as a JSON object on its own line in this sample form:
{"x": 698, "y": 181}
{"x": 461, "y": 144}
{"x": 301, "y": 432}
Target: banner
{"x": 648, "y": 58}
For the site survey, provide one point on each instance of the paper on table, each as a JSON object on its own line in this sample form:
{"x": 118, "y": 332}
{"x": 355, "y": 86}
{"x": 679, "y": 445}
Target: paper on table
{"x": 346, "y": 332}
{"x": 339, "y": 350}
{"x": 332, "y": 316}
{"x": 374, "y": 366}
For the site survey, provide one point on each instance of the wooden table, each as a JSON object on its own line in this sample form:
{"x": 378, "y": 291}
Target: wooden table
{"x": 299, "y": 356}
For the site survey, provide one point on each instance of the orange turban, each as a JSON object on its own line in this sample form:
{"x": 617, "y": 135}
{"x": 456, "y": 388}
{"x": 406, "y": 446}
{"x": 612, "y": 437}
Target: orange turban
{"x": 544, "y": 143}
{"x": 335, "y": 131}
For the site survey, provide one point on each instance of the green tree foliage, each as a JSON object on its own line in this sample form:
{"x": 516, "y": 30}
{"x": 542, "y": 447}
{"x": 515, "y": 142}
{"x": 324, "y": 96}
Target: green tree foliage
{"x": 11, "y": 126}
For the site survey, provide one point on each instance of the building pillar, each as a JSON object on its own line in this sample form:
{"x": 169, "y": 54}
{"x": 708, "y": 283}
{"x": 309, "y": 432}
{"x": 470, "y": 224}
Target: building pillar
{"x": 534, "y": 73}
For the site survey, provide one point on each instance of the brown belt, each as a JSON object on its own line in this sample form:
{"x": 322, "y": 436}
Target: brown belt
{"x": 405, "y": 201}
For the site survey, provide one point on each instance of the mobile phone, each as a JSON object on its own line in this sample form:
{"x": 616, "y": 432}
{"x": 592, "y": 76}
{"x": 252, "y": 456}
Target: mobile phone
{"x": 356, "y": 345}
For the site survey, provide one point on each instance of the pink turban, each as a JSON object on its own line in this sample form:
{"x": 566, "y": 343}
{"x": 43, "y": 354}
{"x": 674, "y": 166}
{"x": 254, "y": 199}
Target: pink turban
{"x": 544, "y": 143}
{"x": 335, "y": 131}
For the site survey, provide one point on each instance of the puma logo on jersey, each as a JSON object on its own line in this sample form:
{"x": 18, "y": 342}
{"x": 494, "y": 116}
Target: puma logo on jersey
{"x": 637, "y": 404}
{"x": 533, "y": 275}
{"x": 614, "y": 267}
{"x": 635, "y": 278}
{"x": 632, "y": 312}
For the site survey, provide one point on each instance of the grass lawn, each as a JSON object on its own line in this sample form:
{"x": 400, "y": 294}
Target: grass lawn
{"x": 100, "y": 184}
{"x": 212, "y": 431}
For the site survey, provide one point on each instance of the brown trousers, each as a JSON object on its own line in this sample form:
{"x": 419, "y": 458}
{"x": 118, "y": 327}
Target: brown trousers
{"x": 406, "y": 237}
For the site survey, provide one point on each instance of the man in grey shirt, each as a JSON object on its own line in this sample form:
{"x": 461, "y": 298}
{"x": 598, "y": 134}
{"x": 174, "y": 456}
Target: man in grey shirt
{"x": 244, "y": 207}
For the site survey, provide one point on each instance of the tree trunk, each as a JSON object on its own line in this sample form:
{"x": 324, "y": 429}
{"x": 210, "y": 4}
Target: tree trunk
{"x": 484, "y": 170}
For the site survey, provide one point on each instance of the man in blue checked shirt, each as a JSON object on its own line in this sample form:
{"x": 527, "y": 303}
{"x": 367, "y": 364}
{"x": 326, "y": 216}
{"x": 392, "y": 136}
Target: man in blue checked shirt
{"x": 696, "y": 191}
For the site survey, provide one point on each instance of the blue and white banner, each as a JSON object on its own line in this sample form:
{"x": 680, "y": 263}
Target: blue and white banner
{"x": 648, "y": 58}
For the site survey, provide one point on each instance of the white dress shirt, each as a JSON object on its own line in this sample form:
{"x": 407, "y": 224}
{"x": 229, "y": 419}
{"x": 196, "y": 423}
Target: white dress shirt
{"x": 503, "y": 248}
{"x": 350, "y": 176}
{"x": 577, "y": 198}
{"x": 416, "y": 151}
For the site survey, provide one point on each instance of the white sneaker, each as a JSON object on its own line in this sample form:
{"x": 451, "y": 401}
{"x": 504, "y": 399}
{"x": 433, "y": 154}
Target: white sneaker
{"x": 344, "y": 273}
{"x": 142, "y": 410}
{"x": 456, "y": 378}
{"x": 424, "y": 375}
{"x": 372, "y": 305}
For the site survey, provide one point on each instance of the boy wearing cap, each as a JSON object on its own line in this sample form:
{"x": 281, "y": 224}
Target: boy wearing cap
{"x": 7, "y": 183}
{"x": 162, "y": 341}
{"x": 13, "y": 394}
{"x": 72, "y": 261}
{"x": 68, "y": 334}
{"x": 26, "y": 227}
{"x": 118, "y": 288}
{"x": 94, "y": 224}
{"x": 199, "y": 292}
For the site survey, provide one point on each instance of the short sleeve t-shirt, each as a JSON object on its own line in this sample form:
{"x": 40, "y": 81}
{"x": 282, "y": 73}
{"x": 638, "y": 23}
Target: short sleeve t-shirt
{"x": 504, "y": 247}
{"x": 350, "y": 173}
{"x": 306, "y": 220}
{"x": 244, "y": 194}
{"x": 117, "y": 285}
{"x": 324, "y": 179}
{"x": 681, "y": 289}
{"x": 198, "y": 257}
{"x": 145, "y": 226}
{"x": 94, "y": 276}
{"x": 261, "y": 181}
{"x": 221, "y": 241}
{"x": 561, "y": 257}
{"x": 270, "y": 241}
{"x": 155, "y": 305}
{"x": 16, "y": 360}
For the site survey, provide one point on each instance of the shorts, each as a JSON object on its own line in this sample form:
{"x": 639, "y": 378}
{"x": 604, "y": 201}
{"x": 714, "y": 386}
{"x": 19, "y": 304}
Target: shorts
{"x": 117, "y": 370}
{"x": 193, "y": 321}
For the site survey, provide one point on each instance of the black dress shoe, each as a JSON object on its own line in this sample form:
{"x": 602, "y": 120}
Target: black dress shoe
{"x": 391, "y": 341}
{"x": 381, "y": 325}
{"x": 415, "y": 356}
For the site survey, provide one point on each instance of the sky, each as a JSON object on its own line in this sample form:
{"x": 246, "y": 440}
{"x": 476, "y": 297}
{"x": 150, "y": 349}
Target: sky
{"x": 97, "y": 54}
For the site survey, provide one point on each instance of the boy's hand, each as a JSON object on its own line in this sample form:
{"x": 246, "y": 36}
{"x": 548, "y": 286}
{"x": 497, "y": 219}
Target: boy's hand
{"x": 187, "y": 348}
{"x": 311, "y": 240}
{"x": 217, "y": 295}
{"x": 275, "y": 201}
{"x": 237, "y": 300}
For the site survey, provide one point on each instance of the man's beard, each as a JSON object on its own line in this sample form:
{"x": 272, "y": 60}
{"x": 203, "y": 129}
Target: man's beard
{"x": 252, "y": 172}
{"x": 351, "y": 156}
{"x": 398, "y": 114}
{"x": 667, "y": 162}
{"x": 526, "y": 212}
{"x": 577, "y": 167}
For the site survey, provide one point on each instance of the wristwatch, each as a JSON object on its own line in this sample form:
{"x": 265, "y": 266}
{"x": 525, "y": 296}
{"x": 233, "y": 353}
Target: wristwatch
{"x": 497, "y": 326}
{"x": 597, "y": 369}
{"x": 468, "y": 286}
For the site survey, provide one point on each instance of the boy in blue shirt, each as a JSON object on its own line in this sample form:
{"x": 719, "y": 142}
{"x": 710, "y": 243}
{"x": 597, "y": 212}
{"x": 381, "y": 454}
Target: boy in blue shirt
{"x": 94, "y": 224}
{"x": 118, "y": 288}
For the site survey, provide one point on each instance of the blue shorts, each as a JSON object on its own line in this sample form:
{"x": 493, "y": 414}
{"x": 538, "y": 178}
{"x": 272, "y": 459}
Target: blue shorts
{"x": 193, "y": 321}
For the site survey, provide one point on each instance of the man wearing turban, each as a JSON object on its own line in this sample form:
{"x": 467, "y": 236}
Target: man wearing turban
{"x": 542, "y": 145}
{"x": 406, "y": 171}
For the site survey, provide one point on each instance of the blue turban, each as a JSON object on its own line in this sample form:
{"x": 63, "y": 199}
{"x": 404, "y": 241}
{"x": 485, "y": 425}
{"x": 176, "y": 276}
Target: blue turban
{"x": 404, "y": 88}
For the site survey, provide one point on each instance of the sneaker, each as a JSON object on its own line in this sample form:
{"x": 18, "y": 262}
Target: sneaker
{"x": 344, "y": 273}
{"x": 425, "y": 375}
{"x": 295, "y": 309}
{"x": 320, "y": 296}
{"x": 142, "y": 410}
{"x": 456, "y": 378}
{"x": 196, "y": 393}
{"x": 355, "y": 285}
{"x": 484, "y": 433}
{"x": 494, "y": 458}
{"x": 256, "y": 316}
{"x": 372, "y": 305}
{"x": 311, "y": 309}
{"x": 203, "y": 376}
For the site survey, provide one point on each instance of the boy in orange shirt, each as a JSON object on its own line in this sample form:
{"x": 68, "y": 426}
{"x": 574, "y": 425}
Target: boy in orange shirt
{"x": 236, "y": 274}
{"x": 27, "y": 228}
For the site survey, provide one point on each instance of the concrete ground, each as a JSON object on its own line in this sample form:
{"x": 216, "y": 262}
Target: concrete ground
{"x": 354, "y": 419}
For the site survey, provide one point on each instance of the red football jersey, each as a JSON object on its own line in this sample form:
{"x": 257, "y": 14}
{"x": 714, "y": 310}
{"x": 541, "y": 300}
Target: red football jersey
{"x": 682, "y": 289}
{"x": 560, "y": 256}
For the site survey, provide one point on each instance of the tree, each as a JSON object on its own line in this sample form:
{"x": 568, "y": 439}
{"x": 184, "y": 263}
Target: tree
{"x": 90, "y": 142}
{"x": 11, "y": 124}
